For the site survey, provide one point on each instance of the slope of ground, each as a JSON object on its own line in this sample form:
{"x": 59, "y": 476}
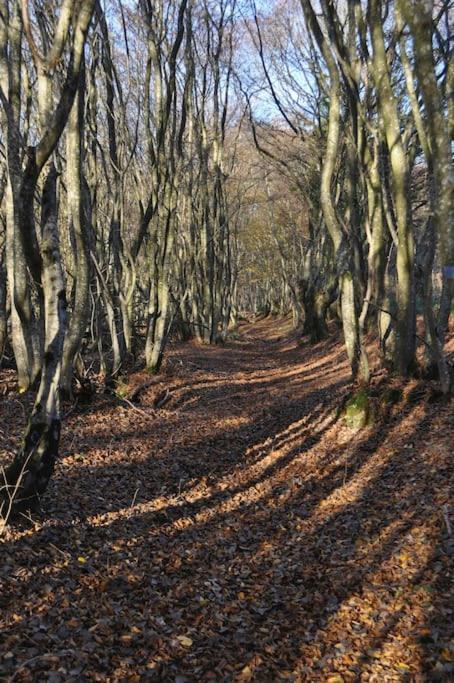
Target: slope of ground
{"x": 239, "y": 533}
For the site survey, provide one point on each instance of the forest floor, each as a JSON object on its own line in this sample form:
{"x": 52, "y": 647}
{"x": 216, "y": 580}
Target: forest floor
{"x": 241, "y": 532}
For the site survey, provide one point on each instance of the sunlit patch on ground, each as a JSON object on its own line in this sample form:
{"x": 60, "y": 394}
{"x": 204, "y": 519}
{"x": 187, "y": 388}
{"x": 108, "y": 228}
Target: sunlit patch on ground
{"x": 240, "y": 533}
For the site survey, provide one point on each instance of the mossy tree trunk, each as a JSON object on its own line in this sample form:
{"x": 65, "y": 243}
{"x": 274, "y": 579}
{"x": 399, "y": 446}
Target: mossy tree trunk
{"x": 400, "y": 175}
{"x": 436, "y": 144}
{"x": 343, "y": 251}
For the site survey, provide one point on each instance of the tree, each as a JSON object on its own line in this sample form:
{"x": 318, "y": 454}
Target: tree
{"x": 33, "y": 465}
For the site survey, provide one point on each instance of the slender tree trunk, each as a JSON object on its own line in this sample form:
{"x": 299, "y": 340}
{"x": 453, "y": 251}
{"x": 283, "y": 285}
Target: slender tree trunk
{"x": 78, "y": 216}
{"x": 156, "y": 351}
{"x": 342, "y": 249}
{"x": 34, "y": 464}
{"x": 406, "y": 313}
{"x": 3, "y": 314}
{"x": 419, "y": 17}
{"x": 23, "y": 323}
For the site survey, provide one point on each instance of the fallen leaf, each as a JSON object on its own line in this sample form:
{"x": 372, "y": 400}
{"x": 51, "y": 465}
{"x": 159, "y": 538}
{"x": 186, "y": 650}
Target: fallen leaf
{"x": 184, "y": 640}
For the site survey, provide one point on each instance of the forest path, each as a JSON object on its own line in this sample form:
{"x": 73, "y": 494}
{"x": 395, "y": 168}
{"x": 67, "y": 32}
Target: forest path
{"x": 239, "y": 533}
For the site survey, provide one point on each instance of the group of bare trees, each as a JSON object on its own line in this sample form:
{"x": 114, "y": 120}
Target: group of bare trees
{"x": 167, "y": 163}
{"x": 115, "y": 224}
{"x": 363, "y": 92}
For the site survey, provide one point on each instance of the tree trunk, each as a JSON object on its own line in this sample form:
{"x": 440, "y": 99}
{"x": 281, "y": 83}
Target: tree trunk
{"x": 78, "y": 210}
{"x": 3, "y": 316}
{"x": 29, "y": 473}
{"x": 406, "y": 313}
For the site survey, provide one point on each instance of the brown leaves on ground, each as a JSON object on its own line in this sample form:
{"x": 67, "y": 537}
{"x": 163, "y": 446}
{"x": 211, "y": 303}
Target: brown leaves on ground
{"x": 238, "y": 533}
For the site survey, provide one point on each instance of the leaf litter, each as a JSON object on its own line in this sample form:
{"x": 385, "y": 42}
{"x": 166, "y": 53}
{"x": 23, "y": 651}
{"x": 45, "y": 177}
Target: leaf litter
{"x": 240, "y": 533}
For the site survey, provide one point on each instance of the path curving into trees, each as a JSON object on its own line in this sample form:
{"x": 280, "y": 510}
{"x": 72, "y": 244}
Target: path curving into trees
{"x": 227, "y": 526}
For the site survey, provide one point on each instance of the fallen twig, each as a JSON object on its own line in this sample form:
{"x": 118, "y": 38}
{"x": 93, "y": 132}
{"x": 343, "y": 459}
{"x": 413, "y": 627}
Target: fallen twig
{"x": 446, "y": 518}
{"x": 137, "y": 410}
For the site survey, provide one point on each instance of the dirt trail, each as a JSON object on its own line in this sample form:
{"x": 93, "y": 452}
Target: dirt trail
{"x": 239, "y": 533}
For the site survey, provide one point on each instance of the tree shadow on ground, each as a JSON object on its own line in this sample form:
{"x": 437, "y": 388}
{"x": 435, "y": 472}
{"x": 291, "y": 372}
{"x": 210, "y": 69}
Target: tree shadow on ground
{"x": 280, "y": 548}
{"x": 287, "y": 573}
